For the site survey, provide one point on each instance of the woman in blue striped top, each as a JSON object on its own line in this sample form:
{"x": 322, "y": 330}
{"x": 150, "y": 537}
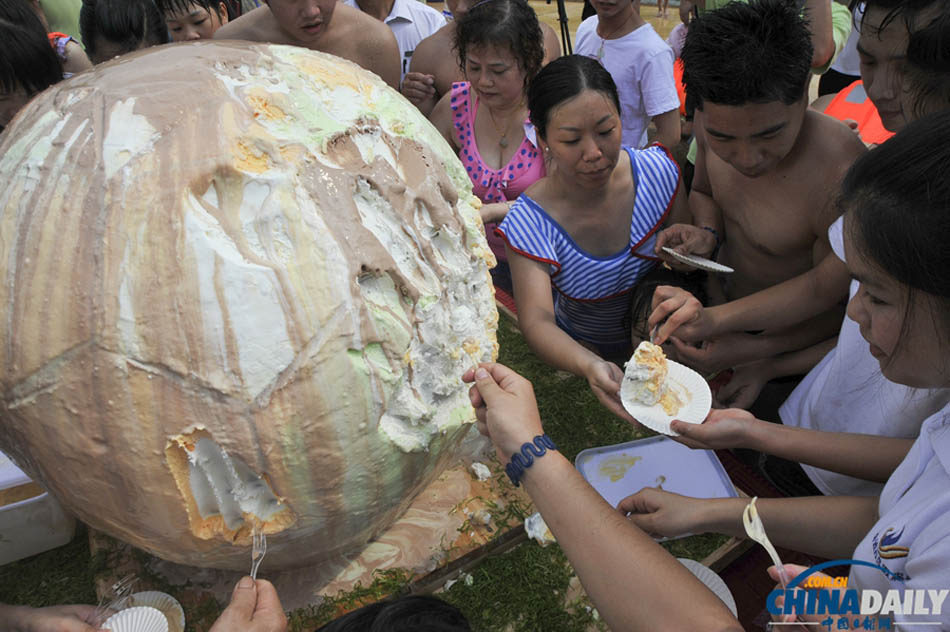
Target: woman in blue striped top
{"x": 580, "y": 239}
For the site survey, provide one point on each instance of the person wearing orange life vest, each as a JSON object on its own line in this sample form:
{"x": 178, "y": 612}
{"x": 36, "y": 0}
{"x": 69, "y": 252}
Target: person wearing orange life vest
{"x": 853, "y": 104}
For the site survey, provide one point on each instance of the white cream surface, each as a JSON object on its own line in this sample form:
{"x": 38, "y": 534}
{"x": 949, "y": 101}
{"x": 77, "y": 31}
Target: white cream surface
{"x": 226, "y": 486}
{"x": 228, "y": 283}
{"x": 128, "y": 135}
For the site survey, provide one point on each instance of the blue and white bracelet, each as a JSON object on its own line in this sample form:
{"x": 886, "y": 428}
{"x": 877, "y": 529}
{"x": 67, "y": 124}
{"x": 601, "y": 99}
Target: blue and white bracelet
{"x": 522, "y": 460}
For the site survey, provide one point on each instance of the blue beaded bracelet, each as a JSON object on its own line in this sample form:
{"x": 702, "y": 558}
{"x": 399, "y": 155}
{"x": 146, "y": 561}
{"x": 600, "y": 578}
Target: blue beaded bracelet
{"x": 524, "y": 459}
{"x": 715, "y": 234}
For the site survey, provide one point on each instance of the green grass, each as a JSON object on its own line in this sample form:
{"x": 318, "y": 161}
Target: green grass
{"x": 63, "y": 575}
{"x": 522, "y": 590}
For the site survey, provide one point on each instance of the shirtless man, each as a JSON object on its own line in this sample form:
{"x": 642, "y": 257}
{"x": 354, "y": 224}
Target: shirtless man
{"x": 767, "y": 167}
{"x": 435, "y": 65}
{"x": 325, "y": 26}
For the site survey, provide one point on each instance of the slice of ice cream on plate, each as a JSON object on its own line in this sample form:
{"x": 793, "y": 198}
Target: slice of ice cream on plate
{"x": 655, "y": 390}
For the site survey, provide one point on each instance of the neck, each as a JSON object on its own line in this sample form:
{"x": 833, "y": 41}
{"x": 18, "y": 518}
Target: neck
{"x": 378, "y": 9}
{"x": 617, "y": 25}
{"x": 585, "y": 201}
{"x": 505, "y": 112}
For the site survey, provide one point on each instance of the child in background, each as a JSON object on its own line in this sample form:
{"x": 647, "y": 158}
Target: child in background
{"x": 641, "y": 65}
{"x": 194, "y": 19}
{"x": 28, "y": 65}
{"x": 111, "y": 28}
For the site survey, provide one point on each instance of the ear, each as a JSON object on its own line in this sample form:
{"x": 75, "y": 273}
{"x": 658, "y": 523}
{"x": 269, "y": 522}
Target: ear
{"x": 542, "y": 144}
{"x": 223, "y": 13}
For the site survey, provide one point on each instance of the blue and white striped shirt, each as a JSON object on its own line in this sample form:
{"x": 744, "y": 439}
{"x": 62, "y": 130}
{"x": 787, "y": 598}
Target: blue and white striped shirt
{"x": 591, "y": 293}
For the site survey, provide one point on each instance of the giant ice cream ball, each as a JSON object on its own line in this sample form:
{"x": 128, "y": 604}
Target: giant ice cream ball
{"x": 239, "y": 285}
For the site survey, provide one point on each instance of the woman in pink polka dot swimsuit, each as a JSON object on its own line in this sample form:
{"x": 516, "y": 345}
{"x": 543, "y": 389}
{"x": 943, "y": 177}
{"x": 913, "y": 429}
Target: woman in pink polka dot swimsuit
{"x": 485, "y": 118}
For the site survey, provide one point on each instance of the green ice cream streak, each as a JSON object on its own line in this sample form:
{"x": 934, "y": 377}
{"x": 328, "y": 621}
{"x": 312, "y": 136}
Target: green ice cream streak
{"x": 293, "y": 452}
{"x": 376, "y": 357}
{"x": 35, "y": 143}
{"x": 463, "y": 414}
{"x": 397, "y": 116}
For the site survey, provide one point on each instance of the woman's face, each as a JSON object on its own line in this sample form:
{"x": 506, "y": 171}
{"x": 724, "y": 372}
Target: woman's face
{"x": 583, "y": 139}
{"x": 882, "y": 53}
{"x": 911, "y": 354}
{"x": 495, "y": 75}
{"x": 196, "y": 23}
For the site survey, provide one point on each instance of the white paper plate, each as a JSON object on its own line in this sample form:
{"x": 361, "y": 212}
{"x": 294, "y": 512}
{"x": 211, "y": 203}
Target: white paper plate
{"x": 691, "y": 388}
{"x": 713, "y": 582}
{"x": 164, "y": 603}
{"x": 698, "y": 262}
{"x": 138, "y": 619}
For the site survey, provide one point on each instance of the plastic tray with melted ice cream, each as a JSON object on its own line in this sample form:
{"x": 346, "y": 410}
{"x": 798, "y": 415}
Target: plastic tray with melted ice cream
{"x": 655, "y": 391}
{"x": 648, "y": 373}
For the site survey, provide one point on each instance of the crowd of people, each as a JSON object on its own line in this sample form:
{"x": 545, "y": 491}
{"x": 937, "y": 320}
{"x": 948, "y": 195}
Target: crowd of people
{"x": 829, "y": 338}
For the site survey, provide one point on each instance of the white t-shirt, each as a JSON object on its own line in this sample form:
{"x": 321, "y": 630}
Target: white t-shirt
{"x": 641, "y": 65}
{"x": 411, "y": 22}
{"x": 846, "y": 392}
{"x": 912, "y": 536}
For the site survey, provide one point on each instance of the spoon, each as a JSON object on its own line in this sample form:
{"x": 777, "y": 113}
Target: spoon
{"x": 756, "y": 531}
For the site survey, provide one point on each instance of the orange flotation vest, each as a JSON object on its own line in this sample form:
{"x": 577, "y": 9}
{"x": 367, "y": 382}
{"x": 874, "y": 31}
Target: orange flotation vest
{"x": 680, "y": 88}
{"x": 853, "y": 103}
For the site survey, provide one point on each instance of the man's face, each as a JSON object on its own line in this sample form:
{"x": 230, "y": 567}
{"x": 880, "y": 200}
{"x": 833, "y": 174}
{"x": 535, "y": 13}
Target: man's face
{"x": 610, "y": 8}
{"x": 303, "y": 20}
{"x": 882, "y": 53}
{"x": 753, "y": 138}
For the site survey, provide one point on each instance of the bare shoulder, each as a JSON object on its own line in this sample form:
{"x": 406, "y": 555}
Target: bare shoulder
{"x": 552, "y": 45}
{"x": 829, "y": 137}
{"x": 256, "y": 26}
{"x": 431, "y": 50}
{"x": 364, "y": 40}
{"x": 821, "y": 103}
{"x": 540, "y": 192}
{"x": 361, "y": 31}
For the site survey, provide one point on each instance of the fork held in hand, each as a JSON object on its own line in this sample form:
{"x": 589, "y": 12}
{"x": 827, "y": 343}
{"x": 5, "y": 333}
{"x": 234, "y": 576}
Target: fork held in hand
{"x": 258, "y": 549}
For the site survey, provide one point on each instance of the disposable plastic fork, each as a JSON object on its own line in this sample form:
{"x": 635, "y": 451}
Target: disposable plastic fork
{"x": 120, "y": 592}
{"x": 258, "y": 549}
{"x": 756, "y": 531}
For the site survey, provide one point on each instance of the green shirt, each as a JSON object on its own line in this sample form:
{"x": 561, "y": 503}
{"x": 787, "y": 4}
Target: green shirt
{"x": 63, "y": 16}
{"x": 841, "y": 22}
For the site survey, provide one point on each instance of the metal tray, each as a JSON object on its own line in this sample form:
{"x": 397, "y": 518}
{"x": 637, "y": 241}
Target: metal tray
{"x": 617, "y": 471}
